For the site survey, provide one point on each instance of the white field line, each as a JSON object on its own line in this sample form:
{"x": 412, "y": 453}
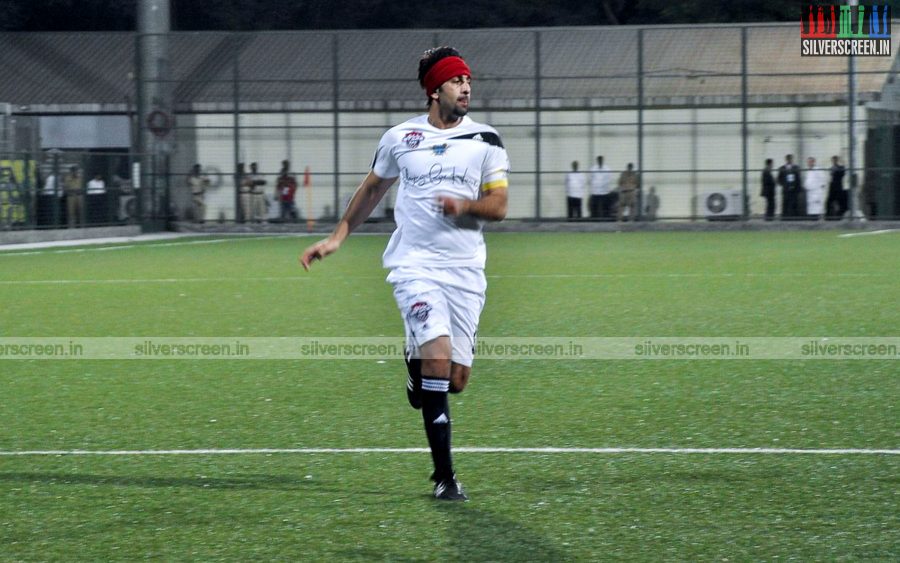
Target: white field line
{"x": 697, "y": 275}
{"x": 149, "y": 281}
{"x": 867, "y": 233}
{"x": 11, "y": 250}
{"x": 95, "y": 245}
{"x": 472, "y": 450}
{"x": 498, "y": 276}
{"x": 109, "y": 248}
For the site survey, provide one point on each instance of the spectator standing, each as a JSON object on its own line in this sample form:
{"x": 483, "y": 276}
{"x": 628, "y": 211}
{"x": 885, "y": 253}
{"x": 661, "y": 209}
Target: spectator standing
{"x": 50, "y": 187}
{"x": 575, "y": 185}
{"x": 198, "y": 182}
{"x": 814, "y": 183}
{"x": 652, "y": 204}
{"x": 789, "y": 179}
{"x": 601, "y": 186}
{"x": 286, "y": 190}
{"x": 628, "y": 187}
{"x": 74, "y": 188}
{"x": 257, "y": 194}
{"x": 96, "y": 205}
{"x": 244, "y": 187}
{"x": 48, "y": 200}
{"x": 768, "y": 189}
{"x": 836, "y": 204}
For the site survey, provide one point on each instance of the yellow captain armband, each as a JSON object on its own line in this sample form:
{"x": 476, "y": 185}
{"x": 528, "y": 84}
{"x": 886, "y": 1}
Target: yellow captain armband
{"x": 501, "y": 183}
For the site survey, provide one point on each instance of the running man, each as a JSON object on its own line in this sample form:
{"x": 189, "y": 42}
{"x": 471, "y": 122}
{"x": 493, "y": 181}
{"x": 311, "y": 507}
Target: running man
{"x": 453, "y": 178}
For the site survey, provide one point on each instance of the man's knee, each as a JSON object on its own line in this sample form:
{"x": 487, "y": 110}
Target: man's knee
{"x": 436, "y": 358}
{"x": 459, "y": 377}
{"x": 436, "y": 367}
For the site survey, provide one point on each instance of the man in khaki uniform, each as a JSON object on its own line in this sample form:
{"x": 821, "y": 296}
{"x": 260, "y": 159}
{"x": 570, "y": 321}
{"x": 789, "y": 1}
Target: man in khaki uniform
{"x": 257, "y": 195}
{"x": 628, "y": 186}
{"x": 74, "y": 189}
{"x": 198, "y": 183}
{"x": 244, "y": 187}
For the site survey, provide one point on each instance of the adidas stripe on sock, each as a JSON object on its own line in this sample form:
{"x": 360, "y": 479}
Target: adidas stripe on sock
{"x": 436, "y": 416}
{"x": 435, "y": 385}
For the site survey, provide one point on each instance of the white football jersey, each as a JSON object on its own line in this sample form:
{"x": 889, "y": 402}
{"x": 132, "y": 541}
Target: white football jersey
{"x": 460, "y": 162}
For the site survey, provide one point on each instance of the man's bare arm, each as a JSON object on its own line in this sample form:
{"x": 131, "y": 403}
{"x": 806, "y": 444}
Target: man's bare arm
{"x": 363, "y": 202}
{"x": 491, "y": 206}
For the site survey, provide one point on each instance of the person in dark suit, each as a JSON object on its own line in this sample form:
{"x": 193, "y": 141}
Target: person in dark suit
{"x": 789, "y": 179}
{"x": 836, "y": 204}
{"x": 768, "y": 190}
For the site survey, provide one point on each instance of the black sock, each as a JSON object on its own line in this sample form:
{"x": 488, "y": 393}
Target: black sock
{"x": 436, "y": 415}
{"x": 414, "y": 381}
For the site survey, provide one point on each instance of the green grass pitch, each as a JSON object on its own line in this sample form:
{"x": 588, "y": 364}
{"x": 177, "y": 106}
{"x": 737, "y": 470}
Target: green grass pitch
{"x": 524, "y": 507}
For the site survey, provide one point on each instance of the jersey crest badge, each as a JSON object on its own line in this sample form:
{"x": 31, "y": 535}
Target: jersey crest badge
{"x": 413, "y": 138}
{"x": 419, "y": 311}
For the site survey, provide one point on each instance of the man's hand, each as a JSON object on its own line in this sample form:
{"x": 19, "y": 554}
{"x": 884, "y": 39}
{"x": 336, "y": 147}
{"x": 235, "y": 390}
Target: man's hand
{"x": 453, "y": 207}
{"x": 491, "y": 206}
{"x": 318, "y": 251}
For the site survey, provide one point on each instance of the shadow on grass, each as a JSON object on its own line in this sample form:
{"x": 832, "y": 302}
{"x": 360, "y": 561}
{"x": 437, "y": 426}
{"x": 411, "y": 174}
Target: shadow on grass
{"x": 478, "y": 535}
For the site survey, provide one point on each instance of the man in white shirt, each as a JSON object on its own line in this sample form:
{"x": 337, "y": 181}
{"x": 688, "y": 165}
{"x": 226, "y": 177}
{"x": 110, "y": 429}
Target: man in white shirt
{"x": 815, "y": 181}
{"x": 574, "y": 192}
{"x": 601, "y": 190}
{"x": 96, "y": 186}
{"x": 453, "y": 178}
{"x": 51, "y": 187}
{"x": 96, "y": 203}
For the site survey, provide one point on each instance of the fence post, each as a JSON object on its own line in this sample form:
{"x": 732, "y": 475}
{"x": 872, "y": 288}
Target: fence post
{"x": 744, "y": 132}
{"x": 336, "y": 78}
{"x": 236, "y": 133}
{"x": 640, "y": 131}
{"x": 851, "y": 127}
{"x": 537, "y": 124}
{"x": 56, "y": 210}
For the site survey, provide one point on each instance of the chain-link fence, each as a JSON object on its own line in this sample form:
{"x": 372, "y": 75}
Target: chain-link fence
{"x": 73, "y": 189}
{"x": 697, "y": 111}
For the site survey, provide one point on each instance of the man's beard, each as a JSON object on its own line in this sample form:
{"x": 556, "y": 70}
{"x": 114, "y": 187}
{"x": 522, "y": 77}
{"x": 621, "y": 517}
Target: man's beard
{"x": 457, "y": 112}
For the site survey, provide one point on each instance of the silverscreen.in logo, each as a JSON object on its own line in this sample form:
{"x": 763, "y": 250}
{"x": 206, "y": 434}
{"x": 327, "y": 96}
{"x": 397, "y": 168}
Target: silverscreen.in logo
{"x": 843, "y": 30}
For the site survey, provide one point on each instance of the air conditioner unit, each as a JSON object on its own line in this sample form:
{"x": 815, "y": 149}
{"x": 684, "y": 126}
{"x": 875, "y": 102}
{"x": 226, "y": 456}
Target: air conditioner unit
{"x": 723, "y": 205}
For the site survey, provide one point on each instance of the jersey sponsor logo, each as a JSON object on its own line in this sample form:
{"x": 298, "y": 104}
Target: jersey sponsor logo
{"x": 419, "y": 311}
{"x": 439, "y": 150}
{"x": 483, "y": 136}
{"x": 437, "y": 175}
{"x": 413, "y": 138}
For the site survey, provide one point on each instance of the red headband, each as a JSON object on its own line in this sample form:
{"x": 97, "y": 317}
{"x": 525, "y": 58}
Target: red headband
{"x": 444, "y": 70}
